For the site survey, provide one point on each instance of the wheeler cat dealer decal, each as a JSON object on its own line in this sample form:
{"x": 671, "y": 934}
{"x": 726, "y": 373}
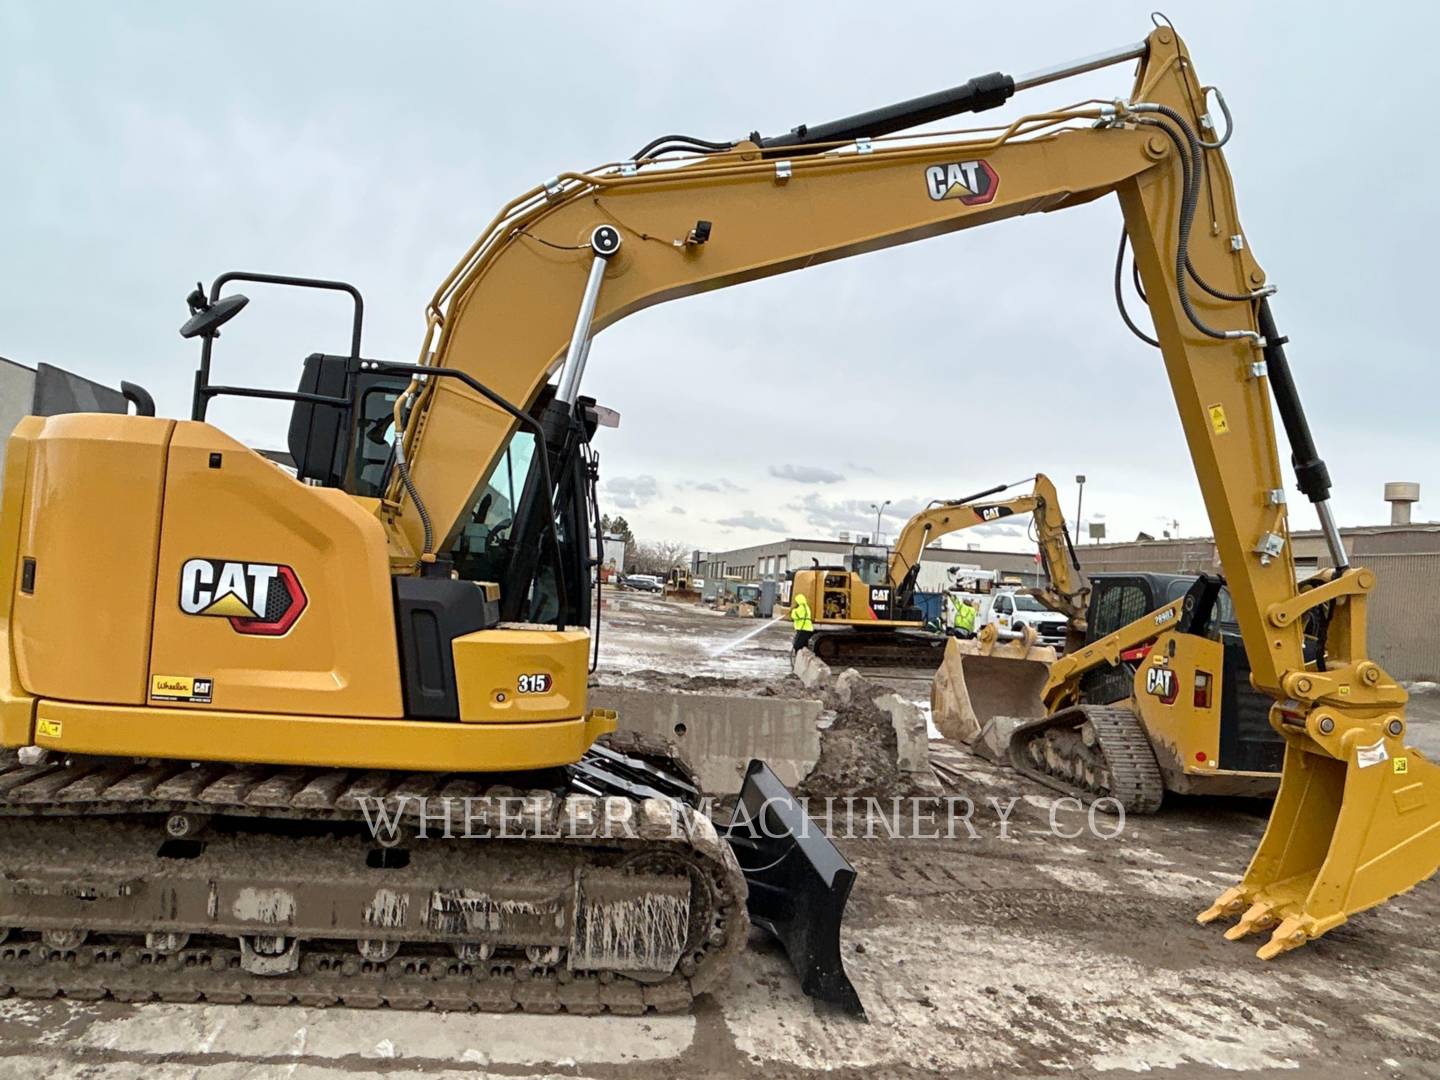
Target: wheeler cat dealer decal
{"x": 972, "y": 182}
{"x": 257, "y": 598}
{"x": 194, "y": 689}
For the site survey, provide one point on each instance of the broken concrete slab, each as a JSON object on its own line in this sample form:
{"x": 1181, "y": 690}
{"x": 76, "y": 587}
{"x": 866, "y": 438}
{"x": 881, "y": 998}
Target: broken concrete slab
{"x": 719, "y": 734}
{"x": 845, "y": 686}
{"x": 810, "y": 669}
{"x": 993, "y": 743}
{"x": 912, "y": 752}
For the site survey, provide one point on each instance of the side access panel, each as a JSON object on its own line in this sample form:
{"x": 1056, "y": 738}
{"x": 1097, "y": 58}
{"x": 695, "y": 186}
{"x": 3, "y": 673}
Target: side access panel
{"x": 89, "y": 532}
{"x": 272, "y": 596}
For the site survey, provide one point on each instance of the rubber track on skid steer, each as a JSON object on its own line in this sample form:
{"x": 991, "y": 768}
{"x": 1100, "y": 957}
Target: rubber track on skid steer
{"x": 1135, "y": 779}
{"x": 95, "y": 793}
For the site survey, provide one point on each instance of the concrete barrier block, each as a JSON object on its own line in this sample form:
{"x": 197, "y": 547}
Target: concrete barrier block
{"x": 720, "y": 733}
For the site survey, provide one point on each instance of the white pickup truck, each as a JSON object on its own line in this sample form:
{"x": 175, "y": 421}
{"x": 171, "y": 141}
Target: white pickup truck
{"x": 1011, "y": 611}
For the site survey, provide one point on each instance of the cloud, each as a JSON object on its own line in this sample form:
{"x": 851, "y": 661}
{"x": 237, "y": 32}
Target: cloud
{"x": 751, "y": 520}
{"x": 631, "y": 492}
{"x": 855, "y": 515}
{"x": 853, "y": 467}
{"x": 677, "y": 510}
{"x": 805, "y": 474}
{"x": 998, "y": 528}
{"x": 720, "y": 486}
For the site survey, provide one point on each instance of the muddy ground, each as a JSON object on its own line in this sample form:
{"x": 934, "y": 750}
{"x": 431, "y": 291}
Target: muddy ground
{"x": 1018, "y": 952}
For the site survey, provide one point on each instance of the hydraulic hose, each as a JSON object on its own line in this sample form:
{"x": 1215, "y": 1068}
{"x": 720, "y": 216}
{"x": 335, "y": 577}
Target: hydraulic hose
{"x": 1189, "y": 152}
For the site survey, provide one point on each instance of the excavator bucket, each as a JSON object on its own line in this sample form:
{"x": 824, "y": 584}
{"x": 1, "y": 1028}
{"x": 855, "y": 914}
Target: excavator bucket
{"x": 799, "y": 883}
{"x": 1346, "y": 833}
{"x": 981, "y": 680}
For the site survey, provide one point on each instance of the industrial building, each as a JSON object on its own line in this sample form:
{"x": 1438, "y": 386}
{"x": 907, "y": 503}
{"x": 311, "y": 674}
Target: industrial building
{"x": 773, "y": 561}
{"x": 1405, "y": 555}
{"x": 1404, "y": 635}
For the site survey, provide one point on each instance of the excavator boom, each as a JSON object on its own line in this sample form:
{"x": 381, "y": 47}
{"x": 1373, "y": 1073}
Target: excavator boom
{"x": 1345, "y": 833}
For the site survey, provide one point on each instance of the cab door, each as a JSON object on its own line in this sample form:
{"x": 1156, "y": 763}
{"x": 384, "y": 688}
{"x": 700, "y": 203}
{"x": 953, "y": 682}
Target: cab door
{"x": 1004, "y": 612}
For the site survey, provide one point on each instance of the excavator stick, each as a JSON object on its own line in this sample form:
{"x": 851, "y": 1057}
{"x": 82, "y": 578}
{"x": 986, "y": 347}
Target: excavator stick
{"x": 1356, "y": 822}
{"x": 798, "y": 884}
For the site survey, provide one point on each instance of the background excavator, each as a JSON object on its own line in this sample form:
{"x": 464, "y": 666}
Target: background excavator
{"x": 400, "y": 621}
{"x": 868, "y": 618}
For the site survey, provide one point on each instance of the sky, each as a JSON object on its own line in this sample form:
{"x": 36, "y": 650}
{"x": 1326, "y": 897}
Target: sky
{"x": 151, "y": 146}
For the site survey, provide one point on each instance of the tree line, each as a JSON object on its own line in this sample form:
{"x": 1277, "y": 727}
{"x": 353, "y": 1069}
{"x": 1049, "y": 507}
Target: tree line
{"x": 646, "y": 556}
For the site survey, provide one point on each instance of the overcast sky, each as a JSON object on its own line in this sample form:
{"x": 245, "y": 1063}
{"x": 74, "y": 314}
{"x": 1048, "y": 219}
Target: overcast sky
{"x": 151, "y": 145}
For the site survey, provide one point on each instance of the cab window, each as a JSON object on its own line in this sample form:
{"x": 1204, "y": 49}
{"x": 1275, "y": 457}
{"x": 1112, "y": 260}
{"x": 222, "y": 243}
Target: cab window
{"x": 374, "y": 436}
{"x": 1117, "y": 606}
{"x": 482, "y": 549}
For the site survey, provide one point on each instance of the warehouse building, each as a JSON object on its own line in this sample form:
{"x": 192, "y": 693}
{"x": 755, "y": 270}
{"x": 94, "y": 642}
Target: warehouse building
{"x": 773, "y": 561}
{"x": 1405, "y": 555}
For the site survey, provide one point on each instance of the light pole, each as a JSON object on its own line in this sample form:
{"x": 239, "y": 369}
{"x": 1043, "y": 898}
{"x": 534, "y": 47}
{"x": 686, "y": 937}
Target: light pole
{"x": 1079, "y": 502}
{"x": 880, "y": 509}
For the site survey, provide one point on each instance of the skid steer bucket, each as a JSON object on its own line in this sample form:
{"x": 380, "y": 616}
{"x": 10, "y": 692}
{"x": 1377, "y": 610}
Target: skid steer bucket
{"x": 979, "y": 681}
{"x": 799, "y": 883}
{"x": 1356, "y": 821}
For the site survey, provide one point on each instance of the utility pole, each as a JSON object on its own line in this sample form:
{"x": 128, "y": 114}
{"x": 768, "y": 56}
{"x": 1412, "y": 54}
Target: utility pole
{"x": 880, "y": 509}
{"x": 1079, "y": 502}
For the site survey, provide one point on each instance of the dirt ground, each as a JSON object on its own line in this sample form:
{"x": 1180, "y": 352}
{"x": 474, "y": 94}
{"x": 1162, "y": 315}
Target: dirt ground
{"x": 1015, "y": 953}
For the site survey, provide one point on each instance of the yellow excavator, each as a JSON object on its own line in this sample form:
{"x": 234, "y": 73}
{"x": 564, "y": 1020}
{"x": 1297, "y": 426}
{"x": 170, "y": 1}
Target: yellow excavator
{"x": 868, "y": 619}
{"x": 396, "y": 624}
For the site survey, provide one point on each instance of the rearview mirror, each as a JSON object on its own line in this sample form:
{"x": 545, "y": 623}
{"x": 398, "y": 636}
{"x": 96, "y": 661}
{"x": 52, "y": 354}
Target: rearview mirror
{"x": 207, "y": 318}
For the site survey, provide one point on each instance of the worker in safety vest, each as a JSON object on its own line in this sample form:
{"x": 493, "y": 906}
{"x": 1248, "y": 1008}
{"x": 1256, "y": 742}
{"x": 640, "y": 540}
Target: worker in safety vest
{"x": 802, "y": 620}
{"x": 964, "y": 617}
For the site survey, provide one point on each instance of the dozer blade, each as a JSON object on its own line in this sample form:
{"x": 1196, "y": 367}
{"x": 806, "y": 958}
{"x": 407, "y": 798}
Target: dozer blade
{"x": 799, "y": 883}
{"x": 1346, "y": 833}
{"x": 974, "y": 686}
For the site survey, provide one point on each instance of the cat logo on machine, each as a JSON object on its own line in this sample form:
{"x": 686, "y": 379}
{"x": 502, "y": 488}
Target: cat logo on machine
{"x": 880, "y": 596}
{"x": 993, "y": 513}
{"x": 972, "y": 182}
{"x": 257, "y": 598}
{"x": 1162, "y": 682}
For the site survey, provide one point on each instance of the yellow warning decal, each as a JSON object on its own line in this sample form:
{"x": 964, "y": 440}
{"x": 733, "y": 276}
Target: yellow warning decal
{"x": 1218, "y": 421}
{"x": 1402, "y": 765}
{"x": 48, "y": 729}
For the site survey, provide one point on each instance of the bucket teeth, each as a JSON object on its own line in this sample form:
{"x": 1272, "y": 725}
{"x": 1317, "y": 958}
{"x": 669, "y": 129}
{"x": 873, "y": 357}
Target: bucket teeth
{"x": 1227, "y": 905}
{"x": 1290, "y": 934}
{"x": 1260, "y": 916}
